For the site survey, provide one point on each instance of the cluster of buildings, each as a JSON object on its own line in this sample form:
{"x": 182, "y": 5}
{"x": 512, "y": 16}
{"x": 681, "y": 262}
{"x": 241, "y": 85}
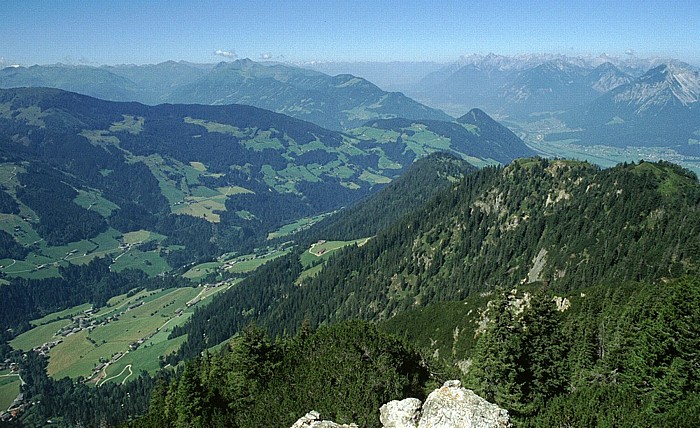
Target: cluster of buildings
{"x": 44, "y": 349}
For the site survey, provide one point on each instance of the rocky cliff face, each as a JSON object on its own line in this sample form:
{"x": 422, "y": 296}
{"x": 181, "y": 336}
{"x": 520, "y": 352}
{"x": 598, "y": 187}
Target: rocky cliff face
{"x": 447, "y": 407}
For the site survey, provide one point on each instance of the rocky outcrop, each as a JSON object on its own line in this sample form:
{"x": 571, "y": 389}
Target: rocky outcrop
{"x": 454, "y": 406}
{"x": 311, "y": 420}
{"x": 448, "y": 407}
{"x": 400, "y": 414}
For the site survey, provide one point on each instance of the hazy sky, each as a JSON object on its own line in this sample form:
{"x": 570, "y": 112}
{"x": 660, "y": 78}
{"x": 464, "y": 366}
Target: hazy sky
{"x": 122, "y": 31}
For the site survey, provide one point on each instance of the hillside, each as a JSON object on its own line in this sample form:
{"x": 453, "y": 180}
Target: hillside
{"x": 340, "y": 102}
{"x": 475, "y": 133}
{"x": 565, "y": 223}
{"x": 658, "y": 109}
{"x": 156, "y": 188}
{"x": 223, "y": 166}
{"x": 603, "y": 355}
{"x": 522, "y": 85}
{"x": 523, "y": 281}
{"x": 420, "y": 183}
{"x": 335, "y": 102}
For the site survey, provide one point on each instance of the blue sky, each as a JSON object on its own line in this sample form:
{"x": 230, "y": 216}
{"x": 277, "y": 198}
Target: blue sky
{"x": 115, "y": 32}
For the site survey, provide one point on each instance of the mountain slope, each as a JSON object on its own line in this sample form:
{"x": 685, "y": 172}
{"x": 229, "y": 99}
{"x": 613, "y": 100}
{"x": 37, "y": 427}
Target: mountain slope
{"x": 423, "y": 180}
{"x": 660, "y": 108}
{"x": 339, "y": 102}
{"x": 79, "y": 170}
{"x": 519, "y": 86}
{"x": 551, "y": 86}
{"x": 474, "y": 133}
{"x": 561, "y": 222}
{"x": 155, "y": 81}
{"x": 86, "y": 80}
{"x": 607, "y": 77}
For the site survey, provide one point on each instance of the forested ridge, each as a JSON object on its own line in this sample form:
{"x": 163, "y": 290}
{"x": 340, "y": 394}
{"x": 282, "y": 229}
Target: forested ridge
{"x": 420, "y": 183}
{"x": 565, "y": 223}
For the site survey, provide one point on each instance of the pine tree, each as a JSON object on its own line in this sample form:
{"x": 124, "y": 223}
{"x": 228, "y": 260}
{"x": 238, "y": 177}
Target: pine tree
{"x": 542, "y": 361}
{"x": 494, "y": 370}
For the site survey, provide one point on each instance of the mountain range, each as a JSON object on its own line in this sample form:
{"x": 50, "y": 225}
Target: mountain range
{"x": 579, "y": 101}
{"x": 518, "y": 87}
{"x": 566, "y": 293}
{"x": 229, "y": 174}
{"x": 659, "y": 108}
{"x": 336, "y": 102}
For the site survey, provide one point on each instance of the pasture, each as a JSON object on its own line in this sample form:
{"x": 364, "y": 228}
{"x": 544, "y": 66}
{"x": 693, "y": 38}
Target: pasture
{"x": 9, "y": 388}
{"x": 130, "y": 334}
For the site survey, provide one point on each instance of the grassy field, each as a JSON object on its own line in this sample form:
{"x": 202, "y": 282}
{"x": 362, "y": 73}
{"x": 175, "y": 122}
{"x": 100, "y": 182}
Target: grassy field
{"x": 131, "y": 124}
{"x": 292, "y": 228}
{"x": 44, "y": 261}
{"x": 9, "y": 388}
{"x": 204, "y": 202}
{"x": 61, "y": 314}
{"x": 38, "y": 335}
{"x": 149, "y": 262}
{"x": 309, "y": 273}
{"x": 148, "y": 316}
{"x": 321, "y": 251}
{"x": 326, "y": 247}
{"x": 374, "y": 178}
{"x": 140, "y": 236}
{"x": 202, "y": 270}
{"x": 95, "y": 202}
{"x": 244, "y": 264}
{"x": 221, "y": 128}
{"x": 20, "y": 229}
{"x": 235, "y": 264}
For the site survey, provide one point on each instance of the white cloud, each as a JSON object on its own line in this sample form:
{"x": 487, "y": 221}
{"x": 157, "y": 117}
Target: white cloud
{"x": 266, "y": 56}
{"x": 226, "y": 54}
{"x": 629, "y": 52}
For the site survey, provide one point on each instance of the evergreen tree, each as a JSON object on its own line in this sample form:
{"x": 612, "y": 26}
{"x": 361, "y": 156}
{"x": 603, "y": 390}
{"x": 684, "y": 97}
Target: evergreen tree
{"x": 542, "y": 360}
{"x": 493, "y": 373}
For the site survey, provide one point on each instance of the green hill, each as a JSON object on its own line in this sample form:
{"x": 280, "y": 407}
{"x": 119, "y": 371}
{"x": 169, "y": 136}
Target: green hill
{"x": 339, "y": 102}
{"x": 564, "y": 223}
{"x": 155, "y": 188}
{"x": 336, "y": 102}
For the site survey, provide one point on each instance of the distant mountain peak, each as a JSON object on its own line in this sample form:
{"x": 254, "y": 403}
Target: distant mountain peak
{"x": 475, "y": 116}
{"x": 606, "y": 77}
{"x": 672, "y": 82}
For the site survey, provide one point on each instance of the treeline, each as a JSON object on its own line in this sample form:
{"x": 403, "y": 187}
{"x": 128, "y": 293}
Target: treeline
{"x": 8, "y": 205}
{"x": 10, "y": 248}
{"x": 345, "y": 372}
{"x": 70, "y": 403}
{"x": 60, "y": 220}
{"x": 420, "y": 183}
{"x": 25, "y": 299}
{"x": 217, "y": 322}
{"x": 622, "y": 354}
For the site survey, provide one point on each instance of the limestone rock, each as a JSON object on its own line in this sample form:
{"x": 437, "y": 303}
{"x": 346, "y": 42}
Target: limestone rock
{"x": 448, "y": 407}
{"x": 400, "y": 414}
{"x": 454, "y": 406}
{"x": 311, "y": 420}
